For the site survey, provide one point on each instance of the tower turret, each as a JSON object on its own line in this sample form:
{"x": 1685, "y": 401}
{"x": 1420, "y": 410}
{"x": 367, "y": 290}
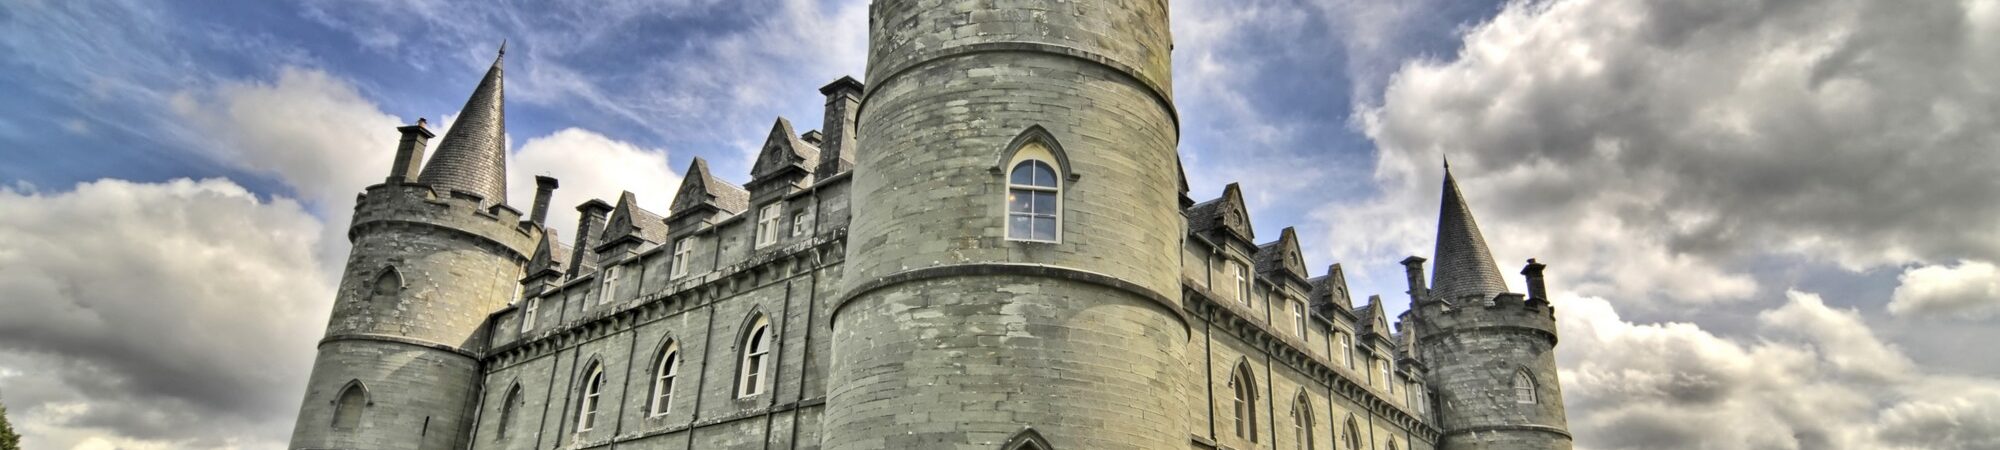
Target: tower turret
{"x": 1022, "y": 232}
{"x": 430, "y": 260}
{"x": 1491, "y": 353}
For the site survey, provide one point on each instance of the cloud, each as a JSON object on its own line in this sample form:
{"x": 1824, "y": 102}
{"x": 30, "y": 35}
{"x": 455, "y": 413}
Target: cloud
{"x": 589, "y": 166}
{"x": 311, "y": 130}
{"x": 1969, "y": 289}
{"x": 1813, "y": 377}
{"x": 175, "y": 313}
{"x": 1658, "y": 147}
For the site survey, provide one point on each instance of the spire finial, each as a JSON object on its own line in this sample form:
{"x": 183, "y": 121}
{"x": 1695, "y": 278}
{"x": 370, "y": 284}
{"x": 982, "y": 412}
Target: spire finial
{"x": 1447, "y": 162}
{"x": 503, "y": 47}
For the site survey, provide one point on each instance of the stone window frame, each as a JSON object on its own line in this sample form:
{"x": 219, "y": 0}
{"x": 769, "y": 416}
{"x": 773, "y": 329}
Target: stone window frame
{"x": 528, "y": 312}
{"x": 1298, "y": 316}
{"x": 1034, "y": 143}
{"x": 1032, "y": 162}
{"x": 683, "y": 252}
{"x": 1303, "y": 422}
{"x": 1027, "y": 439}
{"x": 341, "y": 405}
{"x": 754, "y": 357}
{"x": 1351, "y": 433}
{"x": 385, "y": 279}
{"x": 612, "y": 273}
{"x": 1346, "y": 341}
{"x": 802, "y": 222}
{"x": 509, "y": 409}
{"x": 1526, "y": 390}
{"x": 666, "y": 372}
{"x": 1244, "y": 281}
{"x": 768, "y": 219}
{"x": 1243, "y": 395}
{"x": 591, "y": 396}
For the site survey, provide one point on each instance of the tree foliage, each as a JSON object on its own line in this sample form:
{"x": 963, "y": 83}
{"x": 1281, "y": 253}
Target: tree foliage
{"x": 8, "y": 439}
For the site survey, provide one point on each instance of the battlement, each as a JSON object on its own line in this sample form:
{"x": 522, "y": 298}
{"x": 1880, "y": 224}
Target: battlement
{"x": 1474, "y": 312}
{"x": 426, "y": 205}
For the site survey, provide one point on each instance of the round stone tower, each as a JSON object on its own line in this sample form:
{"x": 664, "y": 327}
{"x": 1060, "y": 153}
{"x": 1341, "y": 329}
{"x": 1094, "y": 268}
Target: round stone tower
{"x": 1013, "y": 259}
{"x": 433, "y": 254}
{"x": 1491, "y": 353}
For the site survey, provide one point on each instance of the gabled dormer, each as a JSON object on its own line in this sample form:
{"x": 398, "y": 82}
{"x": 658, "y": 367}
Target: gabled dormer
{"x": 704, "y": 199}
{"x": 1224, "y": 218}
{"x": 1372, "y": 321}
{"x": 784, "y": 165}
{"x": 1281, "y": 259}
{"x": 1330, "y": 297}
{"x": 546, "y": 268}
{"x": 629, "y": 229}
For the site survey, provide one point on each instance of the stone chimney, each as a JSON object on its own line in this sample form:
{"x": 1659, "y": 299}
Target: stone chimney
{"x": 410, "y": 151}
{"x": 843, "y": 103}
{"x": 544, "y": 187}
{"x": 588, "y": 227}
{"x": 1537, "y": 290}
{"x": 1413, "y": 270}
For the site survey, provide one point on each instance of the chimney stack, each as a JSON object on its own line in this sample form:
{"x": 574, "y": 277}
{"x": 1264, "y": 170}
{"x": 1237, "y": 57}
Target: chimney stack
{"x": 1536, "y": 288}
{"x": 588, "y": 227}
{"x": 410, "y": 152}
{"x": 843, "y": 104}
{"x": 544, "y": 187}
{"x": 1413, "y": 269}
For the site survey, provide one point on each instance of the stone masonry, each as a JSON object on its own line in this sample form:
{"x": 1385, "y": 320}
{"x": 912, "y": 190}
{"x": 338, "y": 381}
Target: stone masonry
{"x": 880, "y": 285}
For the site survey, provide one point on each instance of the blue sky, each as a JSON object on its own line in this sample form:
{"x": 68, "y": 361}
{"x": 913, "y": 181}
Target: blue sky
{"x": 1771, "y": 221}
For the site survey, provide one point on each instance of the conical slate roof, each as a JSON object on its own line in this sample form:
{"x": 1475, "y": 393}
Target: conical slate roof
{"x": 1463, "y": 264}
{"x": 473, "y": 156}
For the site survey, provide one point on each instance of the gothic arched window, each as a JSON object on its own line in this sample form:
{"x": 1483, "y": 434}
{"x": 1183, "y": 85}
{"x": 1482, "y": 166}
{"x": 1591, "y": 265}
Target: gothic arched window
{"x": 347, "y": 408}
{"x": 509, "y": 410}
{"x": 663, "y": 379}
{"x": 1524, "y": 388}
{"x": 593, "y": 397}
{"x": 1302, "y": 423}
{"x": 1350, "y": 436}
{"x": 387, "y": 285}
{"x": 1243, "y": 386}
{"x": 756, "y": 347}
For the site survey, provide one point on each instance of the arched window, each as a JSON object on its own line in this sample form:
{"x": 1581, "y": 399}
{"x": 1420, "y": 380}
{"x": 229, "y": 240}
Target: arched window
{"x": 347, "y": 408}
{"x": 1243, "y": 385}
{"x": 1027, "y": 440}
{"x": 1524, "y": 388}
{"x": 593, "y": 396}
{"x": 1350, "y": 436}
{"x": 756, "y": 358}
{"x": 387, "y": 285}
{"x": 509, "y": 409}
{"x": 1302, "y": 423}
{"x": 1034, "y": 201}
{"x": 663, "y": 379}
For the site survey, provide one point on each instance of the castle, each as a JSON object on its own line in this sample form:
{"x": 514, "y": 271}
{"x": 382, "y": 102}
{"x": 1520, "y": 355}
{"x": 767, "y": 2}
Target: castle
{"x": 990, "y": 245}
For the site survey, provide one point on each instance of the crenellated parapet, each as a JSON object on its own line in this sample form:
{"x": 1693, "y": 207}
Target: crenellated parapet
{"x": 1506, "y": 312}
{"x": 455, "y": 212}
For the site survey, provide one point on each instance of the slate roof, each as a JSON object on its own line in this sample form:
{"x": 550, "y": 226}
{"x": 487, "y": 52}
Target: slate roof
{"x": 550, "y": 254}
{"x": 1371, "y": 318}
{"x": 702, "y": 188}
{"x": 1281, "y": 255}
{"x": 629, "y": 220}
{"x": 1226, "y": 213}
{"x": 783, "y": 150}
{"x": 1331, "y": 289}
{"x": 473, "y": 155}
{"x": 1463, "y": 265}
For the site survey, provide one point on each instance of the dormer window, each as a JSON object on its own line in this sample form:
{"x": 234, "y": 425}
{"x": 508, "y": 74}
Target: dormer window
{"x": 767, "y": 224}
{"x": 683, "y": 251}
{"x": 1242, "y": 282}
{"x": 1299, "y": 317}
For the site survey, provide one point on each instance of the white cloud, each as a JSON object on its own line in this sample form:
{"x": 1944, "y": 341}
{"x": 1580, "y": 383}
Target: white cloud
{"x": 588, "y": 166}
{"x": 1656, "y": 149}
{"x": 311, "y": 130}
{"x": 180, "y": 313}
{"x": 1969, "y": 289}
{"x": 1813, "y": 378}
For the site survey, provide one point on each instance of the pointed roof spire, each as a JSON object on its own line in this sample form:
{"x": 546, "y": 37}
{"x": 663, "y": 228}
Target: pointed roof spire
{"x": 473, "y": 156}
{"x": 1463, "y": 264}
